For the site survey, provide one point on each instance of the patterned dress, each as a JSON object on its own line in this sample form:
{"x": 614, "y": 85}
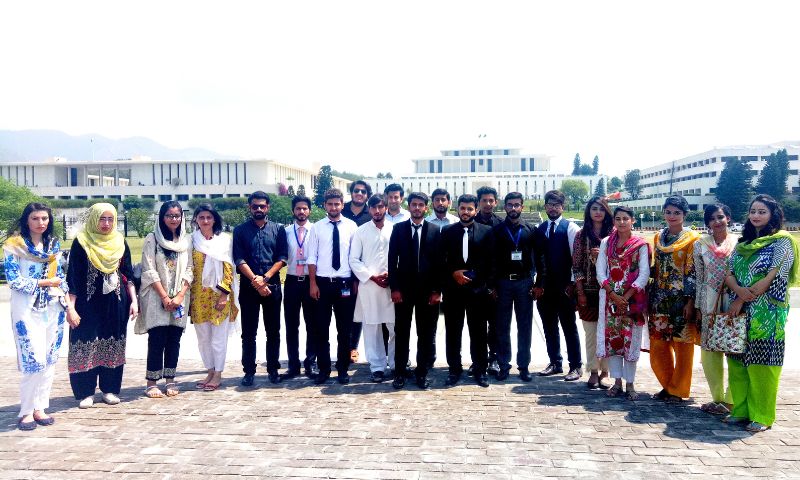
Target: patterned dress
{"x": 673, "y": 276}
{"x": 711, "y": 268}
{"x": 204, "y": 299}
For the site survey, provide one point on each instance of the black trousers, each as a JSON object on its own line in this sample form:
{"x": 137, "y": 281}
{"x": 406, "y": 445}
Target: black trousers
{"x": 415, "y": 303}
{"x": 163, "y": 348}
{"x": 296, "y": 296}
{"x": 331, "y": 302}
{"x": 84, "y": 384}
{"x": 478, "y": 308}
{"x": 252, "y": 304}
{"x": 557, "y": 308}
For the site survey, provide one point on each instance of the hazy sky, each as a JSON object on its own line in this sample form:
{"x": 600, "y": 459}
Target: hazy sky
{"x": 367, "y": 86}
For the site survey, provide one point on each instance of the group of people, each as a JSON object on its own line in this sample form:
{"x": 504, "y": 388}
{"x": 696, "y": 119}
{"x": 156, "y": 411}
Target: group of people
{"x": 376, "y": 266}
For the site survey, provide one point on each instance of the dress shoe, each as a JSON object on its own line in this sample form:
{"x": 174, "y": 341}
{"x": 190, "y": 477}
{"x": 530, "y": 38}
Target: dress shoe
{"x": 343, "y": 378}
{"x": 273, "y": 377}
{"x": 525, "y": 375}
{"x": 551, "y": 369}
{"x": 377, "y": 376}
{"x": 471, "y": 370}
{"x": 501, "y": 375}
{"x": 290, "y": 374}
{"x": 574, "y": 374}
{"x": 423, "y": 383}
{"x": 247, "y": 380}
{"x": 321, "y": 378}
{"x": 399, "y": 382}
{"x": 26, "y": 426}
{"x": 493, "y": 368}
{"x": 409, "y": 373}
{"x": 45, "y": 422}
{"x": 482, "y": 380}
{"x": 452, "y": 379}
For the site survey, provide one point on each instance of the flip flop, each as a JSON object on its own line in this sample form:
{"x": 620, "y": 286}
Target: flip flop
{"x": 200, "y": 385}
{"x": 614, "y": 391}
{"x": 153, "y": 392}
{"x": 755, "y": 427}
{"x": 171, "y": 389}
{"x": 210, "y": 387}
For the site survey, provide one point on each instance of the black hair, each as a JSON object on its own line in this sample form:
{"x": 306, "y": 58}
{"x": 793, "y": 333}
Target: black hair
{"x": 440, "y": 191}
{"x": 367, "y": 186}
{"x": 376, "y": 199}
{"x": 678, "y": 202}
{"x": 710, "y": 210}
{"x": 333, "y": 193}
{"x": 394, "y": 187}
{"x": 512, "y": 196}
{"x": 468, "y": 198}
{"x": 556, "y": 196}
{"x": 25, "y": 231}
{"x": 486, "y": 191}
{"x": 775, "y": 219}
{"x": 162, "y": 225}
{"x": 418, "y": 196}
{"x": 624, "y": 209}
{"x": 588, "y": 225}
{"x": 207, "y": 207}
{"x": 257, "y": 195}
{"x": 300, "y": 198}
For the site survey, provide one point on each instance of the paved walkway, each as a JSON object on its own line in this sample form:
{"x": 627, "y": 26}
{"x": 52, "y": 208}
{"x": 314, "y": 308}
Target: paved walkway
{"x": 543, "y": 429}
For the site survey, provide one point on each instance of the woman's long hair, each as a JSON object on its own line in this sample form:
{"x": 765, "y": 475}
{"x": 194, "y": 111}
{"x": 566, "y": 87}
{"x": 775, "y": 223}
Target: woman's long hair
{"x": 588, "y": 225}
{"x": 207, "y": 207}
{"x": 25, "y": 231}
{"x": 775, "y": 219}
{"x": 165, "y": 231}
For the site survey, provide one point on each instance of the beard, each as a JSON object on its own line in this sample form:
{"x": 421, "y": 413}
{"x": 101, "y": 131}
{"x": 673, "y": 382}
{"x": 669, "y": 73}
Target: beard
{"x": 466, "y": 218}
{"x": 259, "y": 215}
{"x": 553, "y": 216}
{"x": 513, "y": 215}
{"x": 440, "y": 209}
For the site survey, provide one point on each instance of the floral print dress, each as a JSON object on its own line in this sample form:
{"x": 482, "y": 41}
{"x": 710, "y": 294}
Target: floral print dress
{"x": 673, "y": 283}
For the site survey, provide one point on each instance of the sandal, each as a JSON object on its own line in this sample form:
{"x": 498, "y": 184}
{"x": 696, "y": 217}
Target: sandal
{"x": 171, "y": 389}
{"x": 673, "y": 399}
{"x": 631, "y": 395}
{"x": 755, "y": 427}
{"x": 731, "y": 420}
{"x": 715, "y": 408}
{"x": 662, "y": 395}
{"x": 210, "y": 387}
{"x": 614, "y": 391}
{"x": 200, "y": 385}
{"x": 153, "y": 392}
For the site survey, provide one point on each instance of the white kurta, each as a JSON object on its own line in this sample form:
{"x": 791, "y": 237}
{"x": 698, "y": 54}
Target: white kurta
{"x": 369, "y": 255}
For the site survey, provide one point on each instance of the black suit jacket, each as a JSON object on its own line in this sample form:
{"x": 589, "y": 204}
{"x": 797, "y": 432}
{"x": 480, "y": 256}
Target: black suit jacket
{"x": 403, "y": 276}
{"x": 479, "y": 259}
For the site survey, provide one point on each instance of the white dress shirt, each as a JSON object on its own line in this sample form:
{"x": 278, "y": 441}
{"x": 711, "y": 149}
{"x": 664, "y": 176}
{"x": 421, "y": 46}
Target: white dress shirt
{"x": 291, "y": 240}
{"x": 448, "y": 219}
{"x": 320, "y": 247}
{"x": 401, "y": 216}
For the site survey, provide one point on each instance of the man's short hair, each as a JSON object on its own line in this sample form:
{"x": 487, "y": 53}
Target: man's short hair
{"x": 376, "y": 200}
{"x": 468, "y": 198}
{"x": 354, "y": 183}
{"x": 257, "y": 195}
{"x": 299, "y": 199}
{"x": 332, "y": 193}
{"x": 394, "y": 187}
{"x": 418, "y": 196}
{"x": 512, "y": 196}
{"x": 556, "y": 196}
{"x": 487, "y": 191}
{"x": 440, "y": 191}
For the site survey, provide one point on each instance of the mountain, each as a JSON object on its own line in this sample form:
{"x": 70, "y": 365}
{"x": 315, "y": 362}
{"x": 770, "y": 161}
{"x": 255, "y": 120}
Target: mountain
{"x": 39, "y": 145}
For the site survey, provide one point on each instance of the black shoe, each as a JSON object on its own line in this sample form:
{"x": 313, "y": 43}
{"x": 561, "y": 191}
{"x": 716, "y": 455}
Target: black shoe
{"x": 321, "y": 378}
{"x": 409, "y": 373}
{"x": 399, "y": 382}
{"x": 452, "y": 379}
{"x": 482, "y": 380}
{"x": 574, "y": 374}
{"x": 290, "y": 374}
{"x": 471, "y": 370}
{"x": 525, "y": 375}
{"x": 551, "y": 369}
{"x": 26, "y": 426}
{"x": 247, "y": 380}
{"x": 377, "y": 376}
{"x": 308, "y": 372}
{"x": 493, "y": 368}
{"x": 501, "y": 375}
{"x": 423, "y": 383}
{"x": 273, "y": 377}
{"x": 343, "y": 378}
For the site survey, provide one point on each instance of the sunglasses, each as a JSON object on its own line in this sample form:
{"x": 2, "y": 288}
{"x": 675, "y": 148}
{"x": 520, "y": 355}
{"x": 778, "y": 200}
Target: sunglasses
{"x": 360, "y": 190}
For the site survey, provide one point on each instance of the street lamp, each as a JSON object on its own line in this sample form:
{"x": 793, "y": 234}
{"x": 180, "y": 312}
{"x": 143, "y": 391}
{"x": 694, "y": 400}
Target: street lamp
{"x": 653, "y": 216}
{"x": 641, "y": 220}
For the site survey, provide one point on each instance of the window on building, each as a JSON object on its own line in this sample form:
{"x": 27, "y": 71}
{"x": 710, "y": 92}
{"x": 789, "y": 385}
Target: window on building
{"x": 430, "y": 166}
{"x": 480, "y": 152}
{"x": 749, "y": 158}
{"x": 792, "y": 157}
{"x": 219, "y": 173}
{"x": 162, "y": 174}
{"x": 505, "y": 152}
{"x": 530, "y": 164}
{"x": 472, "y": 165}
{"x": 522, "y": 164}
{"x": 181, "y": 198}
{"x": 489, "y": 165}
{"x": 203, "y": 173}
{"x": 236, "y": 172}
{"x": 154, "y": 173}
{"x": 472, "y": 152}
{"x": 165, "y": 198}
{"x": 480, "y": 162}
{"x": 455, "y": 153}
{"x": 488, "y": 152}
{"x": 728, "y": 159}
{"x": 439, "y": 166}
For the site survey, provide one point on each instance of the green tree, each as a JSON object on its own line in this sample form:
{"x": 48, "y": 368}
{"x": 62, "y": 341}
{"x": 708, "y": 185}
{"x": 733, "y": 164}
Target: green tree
{"x": 13, "y": 199}
{"x": 290, "y": 191}
{"x": 233, "y": 217}
{"x": 388, "y": 175}
{"x": 575, "y": 190}
{"x": 380, "y": 175}
{"x": 614, "y": 184}
{"x": 601, "y": 187}
{"x": 734, "y": 187}
{"x": 595, "y": 165}
{"x": 576, "y": 164}
{"x": 632, "y": 183}
{"x": 301, "y": 190}
{"x": 131, "y": 202}
{"x": 585, "y": 169}
{"x": 140, "y": 220}
{"x": 324, "y": 182}
{"x": 772, "y": 180}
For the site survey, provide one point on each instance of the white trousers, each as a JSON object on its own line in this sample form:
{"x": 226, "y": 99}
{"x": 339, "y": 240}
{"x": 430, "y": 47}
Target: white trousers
{"x": 373, "y": 345}
{"x": 593, "y": 364}
{"x": 621, "y": 368}
{"x": 212, "y": 341}
{"x": 34, "y": 390}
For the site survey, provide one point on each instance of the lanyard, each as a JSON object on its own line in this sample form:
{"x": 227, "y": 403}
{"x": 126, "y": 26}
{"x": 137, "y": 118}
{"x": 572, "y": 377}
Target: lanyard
{"x": 514, "y": 239}
{"x": 297, "y": 239}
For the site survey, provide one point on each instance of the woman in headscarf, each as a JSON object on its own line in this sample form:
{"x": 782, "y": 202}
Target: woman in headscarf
{"x": 100, "y": 284}
{"x": 214, "y": 292}
{"x": 166, "y": 277}
{"x": 764, "y": 265}
{"x": 673, "y": 332}
{"x": 38, "y": 309}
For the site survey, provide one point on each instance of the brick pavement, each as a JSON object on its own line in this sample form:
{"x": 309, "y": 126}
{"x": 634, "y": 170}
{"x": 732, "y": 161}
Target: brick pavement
{"x": 545, "y": 429}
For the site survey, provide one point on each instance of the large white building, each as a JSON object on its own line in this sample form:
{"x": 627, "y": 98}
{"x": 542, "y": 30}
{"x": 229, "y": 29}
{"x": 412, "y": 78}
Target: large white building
{"x": 695, "y": 177}
{"x": 465, "y": 170}
{"x": 158, "y": 179}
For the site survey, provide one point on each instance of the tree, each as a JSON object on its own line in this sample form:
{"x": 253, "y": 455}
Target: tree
{"x": 595, "y": 165}
{"x": 576, "y": 165}
{"x": 575, "y": 190}
{"x": 140, "y": 220}
{"x": 13, "y": 199}
{"x": 132, "y": 202}
{"x": 632, "y": 183}
{"x": 290, "y": 191}
{"x": 232, "y": 218}
{"x": 388, "y": 176}
{"x": 601, "y": 187}
{"x": 380, "y": 175}
{"x": 301, "y": 190}
{"x": 615, "y": 184}
{"x": 282, "y": 190}
{"x": 585, "y": 169}
{"x": 734, "y": 187}
{"x": 324, "y": 182}
{"x": 772, "y": 180}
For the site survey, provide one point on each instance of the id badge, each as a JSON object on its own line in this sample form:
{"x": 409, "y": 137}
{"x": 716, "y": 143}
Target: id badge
{"x": 301, "y": 261}
{"x": 516, "y": 256}
{"x": 345, "y": 292}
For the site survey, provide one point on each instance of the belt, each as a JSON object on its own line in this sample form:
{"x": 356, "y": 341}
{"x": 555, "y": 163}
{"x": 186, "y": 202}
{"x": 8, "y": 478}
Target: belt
{"x": 297, "y": 278}
{"x": 516, "y": 276}
{"x": 333, "y": 279}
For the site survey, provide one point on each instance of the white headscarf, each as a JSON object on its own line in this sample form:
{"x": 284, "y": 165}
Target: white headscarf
{"x": 218, "y": 250}
{"x": 179, "y": 246}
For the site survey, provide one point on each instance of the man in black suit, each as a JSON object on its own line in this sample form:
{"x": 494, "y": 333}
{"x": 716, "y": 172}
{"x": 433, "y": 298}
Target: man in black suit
{"x": 415, "y": 280}
{"x": 467, "y": 249}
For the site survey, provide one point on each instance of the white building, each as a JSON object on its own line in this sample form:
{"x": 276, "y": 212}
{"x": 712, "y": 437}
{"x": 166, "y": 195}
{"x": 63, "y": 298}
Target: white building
{"x": 162, "y": 180}
{"x": 466, "y": 170}
{"x": 695, "y": 177}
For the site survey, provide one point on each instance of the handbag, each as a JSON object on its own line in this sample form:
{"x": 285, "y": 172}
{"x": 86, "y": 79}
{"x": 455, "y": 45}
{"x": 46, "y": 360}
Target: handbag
{"x": 726, "y": 333}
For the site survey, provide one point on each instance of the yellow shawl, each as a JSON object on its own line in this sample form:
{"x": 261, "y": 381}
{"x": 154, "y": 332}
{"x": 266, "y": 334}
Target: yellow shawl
{"x": 103, "y": 250}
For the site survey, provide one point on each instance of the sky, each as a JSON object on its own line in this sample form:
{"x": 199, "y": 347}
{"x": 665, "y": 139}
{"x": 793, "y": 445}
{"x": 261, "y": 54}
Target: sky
{"x": 366, "y": 86}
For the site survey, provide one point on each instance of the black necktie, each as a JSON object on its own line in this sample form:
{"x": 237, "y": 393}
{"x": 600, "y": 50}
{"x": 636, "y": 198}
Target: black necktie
{"x": 415, "y": 244}
{"x": 336, "y": 262}
{"x": 550, "y": 235}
